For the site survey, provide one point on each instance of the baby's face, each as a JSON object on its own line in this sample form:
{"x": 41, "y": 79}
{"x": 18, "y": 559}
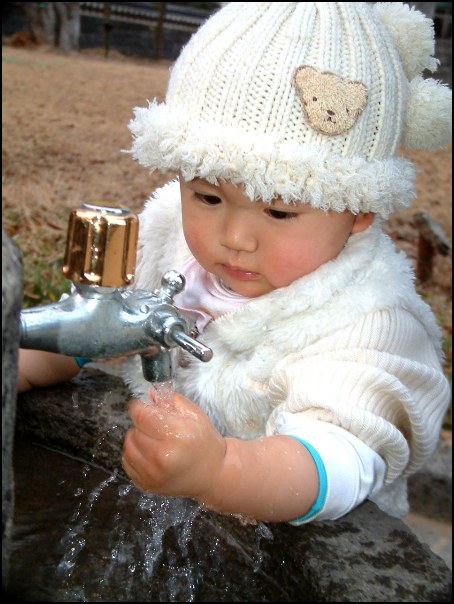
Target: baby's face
{"x": 254, "y": 247}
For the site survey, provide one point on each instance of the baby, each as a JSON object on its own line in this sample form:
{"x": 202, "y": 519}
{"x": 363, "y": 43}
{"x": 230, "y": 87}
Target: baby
{"x": 326, "y": 387}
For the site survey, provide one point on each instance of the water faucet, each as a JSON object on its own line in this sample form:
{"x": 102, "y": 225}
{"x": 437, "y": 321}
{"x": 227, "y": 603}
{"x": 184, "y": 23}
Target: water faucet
{"x": 102, "y": 317}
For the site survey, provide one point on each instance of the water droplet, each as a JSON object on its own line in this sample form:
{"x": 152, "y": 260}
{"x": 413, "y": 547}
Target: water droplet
{"x": 123, "y": 490}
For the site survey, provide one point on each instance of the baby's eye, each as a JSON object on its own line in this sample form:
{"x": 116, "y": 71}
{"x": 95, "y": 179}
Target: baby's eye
{"x": 280, "y": 214}
{"x": 211, "y": 200}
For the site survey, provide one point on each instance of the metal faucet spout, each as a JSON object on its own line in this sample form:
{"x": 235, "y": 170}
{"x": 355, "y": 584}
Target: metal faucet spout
{"x": 104, "y": 321}
{"x": 157, "y": 365}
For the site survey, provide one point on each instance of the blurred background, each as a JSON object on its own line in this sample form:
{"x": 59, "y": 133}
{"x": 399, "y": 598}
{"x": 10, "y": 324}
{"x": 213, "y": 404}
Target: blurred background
{"x": 154, "y": 30}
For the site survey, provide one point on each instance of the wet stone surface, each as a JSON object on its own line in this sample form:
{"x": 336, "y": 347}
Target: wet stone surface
{"x": 82, "y": 533}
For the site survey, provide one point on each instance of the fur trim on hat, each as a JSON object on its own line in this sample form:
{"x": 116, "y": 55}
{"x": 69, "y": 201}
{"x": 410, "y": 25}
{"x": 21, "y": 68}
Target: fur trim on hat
{"x": 268, "y": 167}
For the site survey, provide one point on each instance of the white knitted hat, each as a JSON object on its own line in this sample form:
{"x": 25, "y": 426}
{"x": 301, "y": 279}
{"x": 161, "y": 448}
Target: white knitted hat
{"x": 308, "y": 101}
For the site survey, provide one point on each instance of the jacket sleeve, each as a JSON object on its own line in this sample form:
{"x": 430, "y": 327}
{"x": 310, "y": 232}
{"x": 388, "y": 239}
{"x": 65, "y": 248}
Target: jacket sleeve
{"x": 381, "y": 379}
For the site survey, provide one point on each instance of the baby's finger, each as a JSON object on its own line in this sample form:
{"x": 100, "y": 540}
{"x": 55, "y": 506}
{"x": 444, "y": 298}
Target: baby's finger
{"x": 139, "y": 411}
{"x": 134, "y": 475}
{"x": 132, "y": 458}
{"x": 153, "y": 421}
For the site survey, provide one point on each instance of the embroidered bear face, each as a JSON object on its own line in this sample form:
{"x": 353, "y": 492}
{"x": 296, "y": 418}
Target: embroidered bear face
{"x": 331, "y": 104}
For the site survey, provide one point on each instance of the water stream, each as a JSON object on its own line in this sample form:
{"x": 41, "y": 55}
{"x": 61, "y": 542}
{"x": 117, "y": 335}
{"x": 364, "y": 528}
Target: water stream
{"x": 82, "y": 534}
{"x": 85, "y": 534}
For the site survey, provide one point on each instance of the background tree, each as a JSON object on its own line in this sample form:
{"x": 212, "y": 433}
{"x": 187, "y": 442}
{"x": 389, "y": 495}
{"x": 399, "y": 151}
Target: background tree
{"x": 160, "y": 29}
{"x": 55, "y": 23}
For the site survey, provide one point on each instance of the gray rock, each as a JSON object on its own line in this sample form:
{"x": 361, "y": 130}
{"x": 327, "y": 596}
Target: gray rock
{"x": 366, "y": 556}
{"x": 430, "y": 489}
{"x": 11, "y": 305}
{"x": 86, "y": 417}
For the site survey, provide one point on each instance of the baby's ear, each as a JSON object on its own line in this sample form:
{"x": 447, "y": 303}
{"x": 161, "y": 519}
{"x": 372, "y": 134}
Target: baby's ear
{"x": 363, "y": 221}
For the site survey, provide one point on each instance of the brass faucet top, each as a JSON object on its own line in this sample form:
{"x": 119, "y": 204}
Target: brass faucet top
{"x": 101, "y": 244}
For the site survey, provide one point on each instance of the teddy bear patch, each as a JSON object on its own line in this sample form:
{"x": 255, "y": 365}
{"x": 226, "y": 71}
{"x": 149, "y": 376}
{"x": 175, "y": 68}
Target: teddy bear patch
{"x": 331, "y": 104}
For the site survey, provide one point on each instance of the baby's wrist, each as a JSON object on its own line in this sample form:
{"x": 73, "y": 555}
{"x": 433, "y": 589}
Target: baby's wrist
{"x": 224, "y": 481}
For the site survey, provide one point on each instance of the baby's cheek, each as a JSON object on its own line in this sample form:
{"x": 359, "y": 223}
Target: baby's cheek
{"x": 285, "y": 270}
{"x": 197, "y": 243}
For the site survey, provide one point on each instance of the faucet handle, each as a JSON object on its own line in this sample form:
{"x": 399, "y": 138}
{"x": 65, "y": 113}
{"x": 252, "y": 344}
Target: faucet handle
{"x": 197, "y": 349}
{"x": 172, "y": 283}
{"x": 101, "y": 245}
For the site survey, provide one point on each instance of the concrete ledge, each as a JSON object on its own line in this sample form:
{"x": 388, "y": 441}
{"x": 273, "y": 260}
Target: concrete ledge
{"x": 365, "y": 557}
{"x": 11, "y": 303}
{"x": 430, "y": 489}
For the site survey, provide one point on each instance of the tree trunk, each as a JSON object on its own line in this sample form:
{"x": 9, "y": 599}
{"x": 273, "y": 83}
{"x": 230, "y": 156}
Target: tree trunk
{"x": 160, "y": 29}
{"x": 68, "y": 17}
{"x": 55, "y": 23}
{"x": 41, "y": 19}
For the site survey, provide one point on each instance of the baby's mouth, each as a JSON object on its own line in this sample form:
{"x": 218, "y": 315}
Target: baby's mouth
{"x": 239, "y": 273}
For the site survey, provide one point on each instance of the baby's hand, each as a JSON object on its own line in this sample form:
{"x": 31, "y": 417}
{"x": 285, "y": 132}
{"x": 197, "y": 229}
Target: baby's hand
{"x": 172, "y": 448}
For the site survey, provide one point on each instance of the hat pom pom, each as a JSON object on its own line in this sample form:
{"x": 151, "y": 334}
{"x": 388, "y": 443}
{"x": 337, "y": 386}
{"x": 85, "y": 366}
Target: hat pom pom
{"x": 413, "y": 34}
{"x": 428, "y": 121}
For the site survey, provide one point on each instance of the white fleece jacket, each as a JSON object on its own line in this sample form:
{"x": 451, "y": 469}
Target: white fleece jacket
{"x": 352, "y": 343}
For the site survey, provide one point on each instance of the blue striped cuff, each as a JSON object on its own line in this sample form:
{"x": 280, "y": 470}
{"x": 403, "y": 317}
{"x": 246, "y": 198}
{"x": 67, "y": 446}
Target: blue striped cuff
{"x": 81, "y": 361}
{"x": 322, "y": 478}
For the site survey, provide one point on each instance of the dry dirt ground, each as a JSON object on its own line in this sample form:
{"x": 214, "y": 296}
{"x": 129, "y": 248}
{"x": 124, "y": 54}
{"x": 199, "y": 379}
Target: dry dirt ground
{"x": 64, "y": 131}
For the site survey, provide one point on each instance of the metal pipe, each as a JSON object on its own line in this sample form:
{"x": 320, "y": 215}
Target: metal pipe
{"x": 104, "y": 321}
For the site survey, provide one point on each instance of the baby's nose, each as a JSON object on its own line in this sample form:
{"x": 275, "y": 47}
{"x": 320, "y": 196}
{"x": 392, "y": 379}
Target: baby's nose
{"x": 238, "y": 234}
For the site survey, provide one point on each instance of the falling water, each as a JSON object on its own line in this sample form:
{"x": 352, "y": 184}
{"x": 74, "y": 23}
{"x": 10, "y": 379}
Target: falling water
{"x": 113, "y": 542}
{"x": 163, "y": 392}
{"x": 134, "y": 548}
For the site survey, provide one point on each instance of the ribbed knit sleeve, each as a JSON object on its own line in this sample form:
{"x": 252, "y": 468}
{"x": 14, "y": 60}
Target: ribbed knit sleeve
{"x": 375, "y": 380}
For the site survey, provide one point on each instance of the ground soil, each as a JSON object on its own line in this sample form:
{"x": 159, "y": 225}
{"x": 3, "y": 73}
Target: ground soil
{"x": 65, "y": 130}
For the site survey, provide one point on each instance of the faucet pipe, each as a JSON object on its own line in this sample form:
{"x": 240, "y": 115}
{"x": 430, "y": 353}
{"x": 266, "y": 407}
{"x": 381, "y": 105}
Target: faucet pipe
{"x": 101, "y": 322}
{"x": 99, "y": 319}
